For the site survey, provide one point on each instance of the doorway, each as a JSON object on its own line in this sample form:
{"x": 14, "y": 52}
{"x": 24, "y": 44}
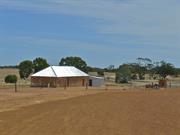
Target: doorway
{"x": 90, "y": 82}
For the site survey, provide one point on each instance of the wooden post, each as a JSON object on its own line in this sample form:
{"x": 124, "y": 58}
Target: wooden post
{"x": 170, "y": 84}
{"x": 15, "y": 87}
{"x": 86, "y": 85}
{"x": 106, "y": 87}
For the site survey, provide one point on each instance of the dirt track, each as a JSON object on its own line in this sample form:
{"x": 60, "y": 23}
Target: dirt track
{"x": 109, "y": 113}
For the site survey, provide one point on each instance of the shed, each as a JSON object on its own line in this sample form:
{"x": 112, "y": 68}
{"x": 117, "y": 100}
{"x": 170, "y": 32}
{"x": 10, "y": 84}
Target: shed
{"x": 96, "y": 81}
{"x": 62, "y": 76}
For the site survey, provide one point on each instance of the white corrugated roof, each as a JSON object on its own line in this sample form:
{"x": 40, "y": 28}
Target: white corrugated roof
{"x": 60, "y": 71}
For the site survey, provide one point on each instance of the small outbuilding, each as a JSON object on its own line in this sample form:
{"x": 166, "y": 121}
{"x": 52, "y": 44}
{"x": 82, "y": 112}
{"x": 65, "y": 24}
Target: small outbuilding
{"x": 59, "y": 76}
{"x": 95, "y": 81}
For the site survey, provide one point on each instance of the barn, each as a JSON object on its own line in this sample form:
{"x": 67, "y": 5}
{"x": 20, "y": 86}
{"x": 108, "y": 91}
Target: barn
{"x": 59, "y": 76}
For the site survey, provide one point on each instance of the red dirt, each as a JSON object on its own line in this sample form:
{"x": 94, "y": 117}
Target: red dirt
{"x": 108, "y": 113}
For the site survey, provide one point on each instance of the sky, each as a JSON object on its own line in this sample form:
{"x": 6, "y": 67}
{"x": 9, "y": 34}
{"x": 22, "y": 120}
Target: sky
{"x": 102, "y": 32}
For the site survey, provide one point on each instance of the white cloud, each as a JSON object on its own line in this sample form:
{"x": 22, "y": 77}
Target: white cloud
{"x": 156, "y": 21}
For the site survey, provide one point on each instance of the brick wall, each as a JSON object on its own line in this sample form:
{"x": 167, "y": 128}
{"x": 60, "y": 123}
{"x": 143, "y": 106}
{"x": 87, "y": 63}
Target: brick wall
{"x": 59, "y": 82}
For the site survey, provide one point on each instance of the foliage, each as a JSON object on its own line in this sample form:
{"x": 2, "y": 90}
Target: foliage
{"x": 144, "y": 66}
{"x": 177, "y": 71}
{"x": 39, "y": 64}
{"x": 123, "y": 74}
{"x": 74, "y": 61}
{"x": 25, "y": 69}
{"x": 133, "y": 76}
{"x": 140, "y": 70}
{"x": 164, "y": 69}
{"x": 136, "y": 69}
{"x": 144, "y": 62}
{"x": 10, "y": 79}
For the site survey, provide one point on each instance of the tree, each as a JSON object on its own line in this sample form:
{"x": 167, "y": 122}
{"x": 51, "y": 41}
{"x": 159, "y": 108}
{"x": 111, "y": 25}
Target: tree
{"x": 164, "y": 69}
{"x": 140, "y": 70}
{"x": 111, "y": 67}
{"x": 11, "y": 79}
{"x": 177, "y": 71}
{"x": 133, "y": 76}
{"x": 137, "y": 69}
{"x": 143, "y": 66}
{"x": 74, "y": 61}
{"x": 144, "y": 62}
{"x": 25, "y": 69}
{"x": 39, "y": 64}
{"x": 123, "y": 74}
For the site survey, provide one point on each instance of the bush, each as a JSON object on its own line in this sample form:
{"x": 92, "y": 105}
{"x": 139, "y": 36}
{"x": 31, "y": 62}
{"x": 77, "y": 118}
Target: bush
{"x": 10, "y": 79}
{"x": 123, "y": 80}
{"x": 134, "y": 77}
{"x": 123, "y": 74}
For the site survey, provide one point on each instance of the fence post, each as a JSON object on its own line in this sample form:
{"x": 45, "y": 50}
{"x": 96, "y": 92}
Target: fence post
{"x": 15, "y": 87}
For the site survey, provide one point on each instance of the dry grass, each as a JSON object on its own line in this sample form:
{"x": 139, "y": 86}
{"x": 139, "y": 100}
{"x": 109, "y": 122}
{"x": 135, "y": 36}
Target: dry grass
{"x": 111, "y": 112}
{"x": 7, "y": 71}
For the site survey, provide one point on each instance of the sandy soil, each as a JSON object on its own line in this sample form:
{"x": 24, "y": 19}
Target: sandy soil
{"x": 9, "y": 100}
{"x": 106, "y": 113}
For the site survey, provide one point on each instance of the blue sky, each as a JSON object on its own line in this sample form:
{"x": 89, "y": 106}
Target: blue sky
{"x": 102, "y": 32}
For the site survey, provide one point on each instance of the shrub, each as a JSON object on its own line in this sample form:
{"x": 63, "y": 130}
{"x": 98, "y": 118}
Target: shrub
{"x": 10, "y": 79}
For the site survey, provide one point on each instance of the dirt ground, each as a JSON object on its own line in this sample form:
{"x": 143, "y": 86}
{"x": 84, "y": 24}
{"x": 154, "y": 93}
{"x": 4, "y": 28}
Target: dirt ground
{"x": 91, "y": 112}
{"x": 9, "y": 100}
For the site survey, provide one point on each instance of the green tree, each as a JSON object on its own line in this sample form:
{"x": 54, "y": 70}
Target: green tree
{"x": 143, "y": 66}
{"x": 25, "y": 69}
{"x": 140, "y": 70}
{"x": 39, "y": 64}
{"x": 133, "y": 76}
{"x": 11, "y": 79}
{"x": 74, "y": 61}
{"x": 164, "y": 69}
{"x": 144, "y": 62}
{"x": 177, "y": 71}
{"x": 123, "y": 74}
{"x": 136, "y": 69}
